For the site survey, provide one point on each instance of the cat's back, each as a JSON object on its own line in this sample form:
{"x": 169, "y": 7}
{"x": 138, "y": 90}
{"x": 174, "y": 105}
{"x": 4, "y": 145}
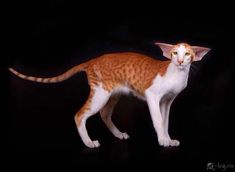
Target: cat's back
{"x": 125, "y": 59}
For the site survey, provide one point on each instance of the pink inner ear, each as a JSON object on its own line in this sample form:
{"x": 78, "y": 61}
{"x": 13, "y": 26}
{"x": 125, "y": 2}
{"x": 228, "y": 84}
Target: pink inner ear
{"x": 166, "y": 49}
{"x": 200, "y": 52}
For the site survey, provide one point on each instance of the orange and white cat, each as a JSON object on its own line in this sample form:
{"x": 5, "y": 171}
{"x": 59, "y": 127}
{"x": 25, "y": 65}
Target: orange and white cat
{"x": 157, "y": 82}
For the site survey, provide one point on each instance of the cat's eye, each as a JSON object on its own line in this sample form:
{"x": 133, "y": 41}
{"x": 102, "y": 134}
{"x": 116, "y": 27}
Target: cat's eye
{"x": 187, "y": 54}
{"x": 174, "y": 53}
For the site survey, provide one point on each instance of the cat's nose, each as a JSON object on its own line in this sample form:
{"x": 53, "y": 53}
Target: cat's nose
{"x": 180, "y": 61}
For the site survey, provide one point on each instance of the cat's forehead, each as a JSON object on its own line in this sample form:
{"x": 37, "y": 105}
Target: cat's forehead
{"x": 182, "y": 47}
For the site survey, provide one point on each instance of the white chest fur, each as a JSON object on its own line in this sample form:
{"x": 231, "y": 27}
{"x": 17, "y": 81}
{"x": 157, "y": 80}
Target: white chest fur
{"x": 173, "y": 82}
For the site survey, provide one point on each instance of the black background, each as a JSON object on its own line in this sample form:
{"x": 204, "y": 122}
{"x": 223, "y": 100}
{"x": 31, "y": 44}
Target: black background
{"x": 47, "y": 38}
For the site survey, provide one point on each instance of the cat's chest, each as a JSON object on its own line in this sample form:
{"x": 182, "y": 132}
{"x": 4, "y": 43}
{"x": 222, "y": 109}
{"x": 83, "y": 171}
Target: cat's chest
{"x": 173, "y": 82}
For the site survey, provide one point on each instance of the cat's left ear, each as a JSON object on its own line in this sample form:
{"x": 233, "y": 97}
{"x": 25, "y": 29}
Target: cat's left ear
{"x": 166, "y": 49}
{"x": 200, "y": 52}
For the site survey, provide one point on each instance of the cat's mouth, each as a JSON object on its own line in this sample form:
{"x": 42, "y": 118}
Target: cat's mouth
{"x": 180, "y": 65}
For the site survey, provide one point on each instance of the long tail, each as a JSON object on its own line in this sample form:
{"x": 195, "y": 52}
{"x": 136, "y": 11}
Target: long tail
{"x": 69, "y": 73}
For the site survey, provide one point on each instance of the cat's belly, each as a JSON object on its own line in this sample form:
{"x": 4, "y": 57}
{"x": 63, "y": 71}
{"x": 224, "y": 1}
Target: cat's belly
{"x": 125, "y": 90}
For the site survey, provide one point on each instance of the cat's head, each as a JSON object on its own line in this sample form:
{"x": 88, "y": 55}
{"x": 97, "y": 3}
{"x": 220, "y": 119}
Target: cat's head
{"x": 183, "y": 54}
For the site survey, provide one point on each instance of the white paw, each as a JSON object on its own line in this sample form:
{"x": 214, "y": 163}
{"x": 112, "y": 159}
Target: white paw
{"x": 123, "y": 136}
{"x": 174, "y": 143}
{"x": 166, "y": 142}
{"x": 93, "y": 144}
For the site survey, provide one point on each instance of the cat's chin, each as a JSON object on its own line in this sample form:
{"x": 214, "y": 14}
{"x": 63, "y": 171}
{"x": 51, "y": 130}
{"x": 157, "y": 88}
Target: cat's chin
{"x": 181, "y": 67}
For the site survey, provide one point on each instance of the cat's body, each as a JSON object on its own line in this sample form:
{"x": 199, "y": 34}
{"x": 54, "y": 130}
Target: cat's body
{"x": 157, "y": 82}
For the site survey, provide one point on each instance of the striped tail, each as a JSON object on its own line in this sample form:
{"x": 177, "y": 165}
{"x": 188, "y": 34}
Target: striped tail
{"x": 69, "y": 73}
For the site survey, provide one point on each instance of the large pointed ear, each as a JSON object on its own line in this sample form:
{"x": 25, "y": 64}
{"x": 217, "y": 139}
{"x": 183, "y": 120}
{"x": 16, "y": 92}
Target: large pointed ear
{"x": 199, "y": 52}
{"x": 166, "y": 49}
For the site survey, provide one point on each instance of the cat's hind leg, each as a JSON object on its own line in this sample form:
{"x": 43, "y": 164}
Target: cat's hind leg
{"x": 97, "y": 99}
{"x": 106, "y": 115}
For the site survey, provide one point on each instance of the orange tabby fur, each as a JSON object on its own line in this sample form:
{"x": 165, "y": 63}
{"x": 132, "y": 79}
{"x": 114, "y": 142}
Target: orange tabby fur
{"x": 134, "y": 70}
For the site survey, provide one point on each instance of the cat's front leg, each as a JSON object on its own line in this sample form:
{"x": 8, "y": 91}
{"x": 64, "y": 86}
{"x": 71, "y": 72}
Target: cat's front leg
{"x": 153, "y": 101}
{"x": 165, "y": 106}
{"x": 165, "y": 110}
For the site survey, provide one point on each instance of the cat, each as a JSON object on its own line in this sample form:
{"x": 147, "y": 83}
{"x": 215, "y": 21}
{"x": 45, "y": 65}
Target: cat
{"x": 155, "y": 81}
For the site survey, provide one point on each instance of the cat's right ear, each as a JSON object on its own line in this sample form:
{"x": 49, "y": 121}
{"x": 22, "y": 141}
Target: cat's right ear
{"x": 166, "y": 49}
